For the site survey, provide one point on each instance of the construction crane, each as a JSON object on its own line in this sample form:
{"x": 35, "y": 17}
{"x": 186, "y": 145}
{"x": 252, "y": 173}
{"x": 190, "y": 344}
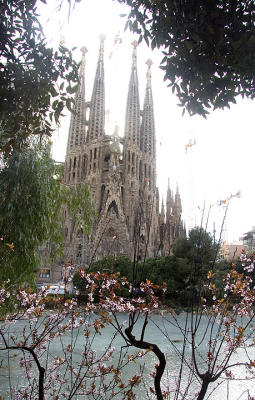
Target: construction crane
{"x": 189, "y": 145}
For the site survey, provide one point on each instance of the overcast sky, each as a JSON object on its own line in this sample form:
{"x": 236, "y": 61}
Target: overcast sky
{"x": 221, "y": 161}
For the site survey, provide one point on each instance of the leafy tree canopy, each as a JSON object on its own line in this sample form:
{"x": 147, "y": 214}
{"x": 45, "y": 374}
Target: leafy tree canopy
{"x": 36, "y": 83}
{"x": 199, "y": 248}
{"x": 110, "y": 264}
{"x": 31, "y": 203}
{"x": 208, "y": 47}
{"x": 80, "y": 207}
{"x": 175, "y": 272}
{"x": 170, "y": 269}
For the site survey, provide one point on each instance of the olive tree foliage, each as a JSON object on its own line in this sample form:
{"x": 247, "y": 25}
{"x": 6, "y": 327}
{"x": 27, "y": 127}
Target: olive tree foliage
{"x": 208, "y": 48}
{"x": 36, "y": 82}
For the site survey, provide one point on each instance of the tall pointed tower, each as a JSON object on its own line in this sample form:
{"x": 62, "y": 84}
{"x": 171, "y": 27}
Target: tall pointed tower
{"x": 131, "y": 148}
{"x": 132, "y": 121}
{"x": 97, "y": 104}
{"x": 177, "y": 212}
{"x": 169, "y": 224}
{"x": 169, "y": 202}
{"x": 92, "y": 157}
{"x": 173, "y": 227}
{"x": 148, "y": 167}
{"x": 77, "y": 131}
{"x": 120, "y": 171}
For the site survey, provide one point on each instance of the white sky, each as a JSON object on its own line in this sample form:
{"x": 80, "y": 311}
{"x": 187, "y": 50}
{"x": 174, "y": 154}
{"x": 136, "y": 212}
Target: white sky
{"x": 221, "y": 162}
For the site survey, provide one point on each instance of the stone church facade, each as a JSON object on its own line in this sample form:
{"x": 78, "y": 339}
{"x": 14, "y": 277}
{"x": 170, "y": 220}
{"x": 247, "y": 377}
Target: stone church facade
{"x": 121, "y": 175}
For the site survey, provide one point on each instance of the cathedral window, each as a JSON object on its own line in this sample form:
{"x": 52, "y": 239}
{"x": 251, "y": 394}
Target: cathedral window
{"x": 95, "y": 153}
{"x": 133, "y": 171}
{"x": 113, "y": 209}
{"x": 94, "y": 167}
{"x": 73, "y": 175}
{"x": 102, "y": 197}
{"x": 70, "y": 164}
{"x": 128, "y": 156}
{"x": 74, "y": 162}
{"x": 140, "y": 171}
{"x": 83, "y": 166}
{"x": 133, "y": 158}
{"x": 128, "y": 168}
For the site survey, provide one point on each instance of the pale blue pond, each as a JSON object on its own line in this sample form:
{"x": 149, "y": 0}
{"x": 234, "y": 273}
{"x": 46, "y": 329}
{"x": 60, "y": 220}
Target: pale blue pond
{"x": 156, "y": 332}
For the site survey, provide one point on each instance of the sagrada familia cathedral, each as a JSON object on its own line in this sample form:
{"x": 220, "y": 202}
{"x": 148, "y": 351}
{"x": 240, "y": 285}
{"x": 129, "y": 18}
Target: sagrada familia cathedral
{"x": 121, "y": 175}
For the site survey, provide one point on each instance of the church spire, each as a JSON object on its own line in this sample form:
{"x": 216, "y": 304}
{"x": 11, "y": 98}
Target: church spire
{"x": 148, "y": 126}
{"x": 97, "y": 105}
{"x": 132, "y": 122}
{"x": 178, "y": 203}
{"x": 78, "y": 119}
{"x": 162, "y": 212}
{"x": 169, "y": 202}
{"x": 83, "y": 62}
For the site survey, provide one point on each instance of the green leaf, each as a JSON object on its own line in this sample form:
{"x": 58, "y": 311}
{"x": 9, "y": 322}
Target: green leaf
{"x": 73, "y": 89}
{"x": 68, "y": 105}
{"x": 54, "y": 104}
{"x": 53, "y": 91}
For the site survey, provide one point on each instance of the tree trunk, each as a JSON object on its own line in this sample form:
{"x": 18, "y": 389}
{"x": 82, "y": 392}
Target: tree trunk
{"x": 204, "y": 388}
{"x": 141, "y": 344}
{"x": 41, "y": 383}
